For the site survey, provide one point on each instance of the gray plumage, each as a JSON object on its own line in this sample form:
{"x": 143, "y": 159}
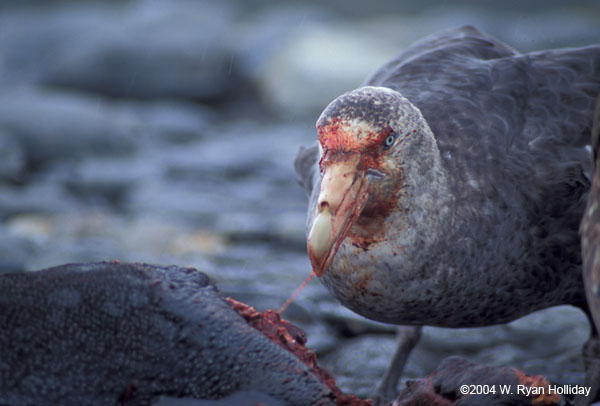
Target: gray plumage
{"x": 489, "y": 214}
{"x": 590, "y": 229}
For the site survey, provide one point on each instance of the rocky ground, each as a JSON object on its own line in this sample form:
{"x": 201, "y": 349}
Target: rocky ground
{"x": 164, "y": 132}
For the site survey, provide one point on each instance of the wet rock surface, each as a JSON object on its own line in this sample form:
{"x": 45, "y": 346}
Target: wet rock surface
{"x": 164, "y": 132}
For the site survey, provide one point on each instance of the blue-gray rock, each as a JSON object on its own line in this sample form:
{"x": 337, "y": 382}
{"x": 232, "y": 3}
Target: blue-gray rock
{"x": 143, "y": 48}
{"x": 53, "y": 125}
{"x": 12, "y": 157}
{"x": 169, "y": 120}
{"x": 14, "y": 251}
{"x": 19, "y": 199}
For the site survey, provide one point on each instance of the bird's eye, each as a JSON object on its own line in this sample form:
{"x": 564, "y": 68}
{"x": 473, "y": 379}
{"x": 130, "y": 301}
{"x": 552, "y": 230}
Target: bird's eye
{"x": 389, "y": 141}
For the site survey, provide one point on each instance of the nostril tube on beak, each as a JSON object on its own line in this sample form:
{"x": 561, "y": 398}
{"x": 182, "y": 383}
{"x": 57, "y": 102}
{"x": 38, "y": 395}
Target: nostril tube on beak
{"x": 374, "y": 173}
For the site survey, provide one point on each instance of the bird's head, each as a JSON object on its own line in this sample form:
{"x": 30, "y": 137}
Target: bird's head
{"x": 362, "y": 141}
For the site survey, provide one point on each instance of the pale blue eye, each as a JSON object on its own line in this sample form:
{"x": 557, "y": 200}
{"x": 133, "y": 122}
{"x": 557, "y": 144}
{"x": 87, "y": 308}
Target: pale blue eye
{"x": 389, "y": 141}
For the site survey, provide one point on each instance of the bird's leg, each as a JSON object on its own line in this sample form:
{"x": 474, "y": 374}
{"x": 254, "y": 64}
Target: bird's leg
{"x": 591, "y": 360}
{"x": 406, "y": 337}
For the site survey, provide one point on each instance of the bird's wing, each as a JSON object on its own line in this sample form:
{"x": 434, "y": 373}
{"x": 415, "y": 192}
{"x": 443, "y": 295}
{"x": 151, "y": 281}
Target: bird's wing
{"x": 465, "y": 41}
{"x": 563, "y": 85}
{"x": 596, "y": 133}
{"x": 305, "y": 166}
{"x": 512, "y": 131}
{"x": 486, "y": 103}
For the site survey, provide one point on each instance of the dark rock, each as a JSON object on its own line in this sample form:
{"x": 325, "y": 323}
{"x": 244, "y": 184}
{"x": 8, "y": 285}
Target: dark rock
{"x": 28, "y": 199}
{"x": 444, "y": 387}
{"x": 53, "y": 125}
{"x": 110, "y": 333}
{"x": 170, "y": 120}
{"x": 246, "y": 167}
{"x": 12, "y": 158}
{"x": 137, "y": 49}
{"x": 105, "y": 180}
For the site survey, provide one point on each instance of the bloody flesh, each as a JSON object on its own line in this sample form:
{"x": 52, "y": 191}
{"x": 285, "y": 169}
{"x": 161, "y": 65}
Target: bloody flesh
{"x": 293, "y": 339}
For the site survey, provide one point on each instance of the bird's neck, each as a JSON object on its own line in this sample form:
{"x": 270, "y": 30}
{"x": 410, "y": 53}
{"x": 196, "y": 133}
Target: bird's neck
{"x": 424, "y": 203}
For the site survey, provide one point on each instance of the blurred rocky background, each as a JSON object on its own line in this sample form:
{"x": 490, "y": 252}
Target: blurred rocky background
{"x": 164, "y": 132}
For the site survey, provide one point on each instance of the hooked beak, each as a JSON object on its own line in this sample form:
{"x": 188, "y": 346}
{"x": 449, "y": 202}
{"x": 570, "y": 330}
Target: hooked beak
{"x": 342, "y": 198}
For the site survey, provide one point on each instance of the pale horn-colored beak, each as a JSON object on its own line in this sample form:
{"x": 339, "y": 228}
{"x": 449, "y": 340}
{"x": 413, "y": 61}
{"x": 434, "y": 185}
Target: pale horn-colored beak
{"x": 342, "y": 197}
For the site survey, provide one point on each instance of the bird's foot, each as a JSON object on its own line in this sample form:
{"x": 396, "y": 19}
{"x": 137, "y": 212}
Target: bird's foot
{"x": 591, "y": 359}
{"x": 407, "y": 337}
